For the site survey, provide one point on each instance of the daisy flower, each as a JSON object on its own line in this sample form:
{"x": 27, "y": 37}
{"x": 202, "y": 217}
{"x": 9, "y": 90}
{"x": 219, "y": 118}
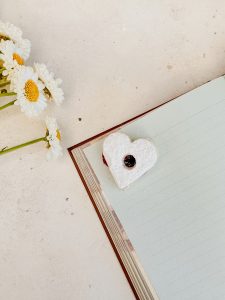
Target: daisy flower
{"x": 10, "y": 32}
{"x": 52, "y": 90}
{"x": 10, "y": 56}
{"x": 53, "y": 137}
{"x": 29, "y": 90}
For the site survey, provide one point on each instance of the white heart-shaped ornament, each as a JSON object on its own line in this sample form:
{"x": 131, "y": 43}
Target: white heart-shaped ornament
{"x": 128, "y": 160}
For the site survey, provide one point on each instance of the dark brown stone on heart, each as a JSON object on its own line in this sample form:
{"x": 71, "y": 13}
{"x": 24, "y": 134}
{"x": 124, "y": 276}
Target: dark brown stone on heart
{"x": 129, "y": 161}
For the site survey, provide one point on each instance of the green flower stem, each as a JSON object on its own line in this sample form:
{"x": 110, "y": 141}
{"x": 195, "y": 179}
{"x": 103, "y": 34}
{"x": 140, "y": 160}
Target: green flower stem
{"x": 7, "y": 94}
{"x": 1, "y": 70}
{"x": 3, "y": 79}
{"x": 8, "y": 104}
{"x": 7, "y": 150}
{"x": 4, "y": 83}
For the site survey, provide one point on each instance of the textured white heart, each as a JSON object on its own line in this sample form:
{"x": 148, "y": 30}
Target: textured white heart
{"x": 118, "y": 146}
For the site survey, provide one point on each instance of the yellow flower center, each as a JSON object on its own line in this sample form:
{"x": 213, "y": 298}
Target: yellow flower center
{"x": 18, "y": 58}
{"x": 58, "y": 135}
{"x": 31, "y": 91}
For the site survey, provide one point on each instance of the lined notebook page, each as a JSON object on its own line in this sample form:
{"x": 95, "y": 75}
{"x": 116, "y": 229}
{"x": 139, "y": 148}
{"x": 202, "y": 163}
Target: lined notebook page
{"x": 175, "y": 214}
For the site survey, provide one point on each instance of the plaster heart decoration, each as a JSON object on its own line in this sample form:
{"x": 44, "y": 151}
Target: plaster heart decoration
{"x": 128, "y": 160}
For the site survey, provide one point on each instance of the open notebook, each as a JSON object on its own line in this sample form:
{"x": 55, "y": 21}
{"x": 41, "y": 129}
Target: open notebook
{"x": 168, "y": 228}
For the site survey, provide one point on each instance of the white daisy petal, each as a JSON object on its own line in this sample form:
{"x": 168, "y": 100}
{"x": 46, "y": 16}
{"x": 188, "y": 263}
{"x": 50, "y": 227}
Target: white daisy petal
{"x": 52, "y": 89}
{"x": 29, "y": 90}
{"x": 25, "y": 46}
{"x": 53, "y": 137}
{"x": 11, "y": 56}
{"x": 11, "y": 32}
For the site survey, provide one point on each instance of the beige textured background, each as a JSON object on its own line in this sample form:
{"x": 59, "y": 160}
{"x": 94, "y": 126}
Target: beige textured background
{"x": 117, "y": 58}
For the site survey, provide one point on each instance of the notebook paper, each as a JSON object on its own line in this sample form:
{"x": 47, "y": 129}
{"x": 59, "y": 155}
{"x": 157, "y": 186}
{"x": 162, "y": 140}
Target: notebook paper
{"x": 174, "y": 215}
